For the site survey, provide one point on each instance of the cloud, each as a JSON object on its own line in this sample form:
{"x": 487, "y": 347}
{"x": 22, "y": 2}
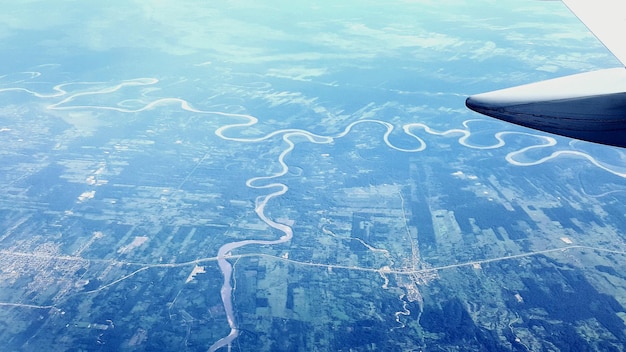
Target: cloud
{"x": 297, "y": 73}
{"x": 300, "y": 35}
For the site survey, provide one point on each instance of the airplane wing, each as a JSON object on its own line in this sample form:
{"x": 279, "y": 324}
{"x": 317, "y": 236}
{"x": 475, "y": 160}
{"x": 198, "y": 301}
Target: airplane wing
{"x": 606, "y": 19}
{"x": 590, "y": 106}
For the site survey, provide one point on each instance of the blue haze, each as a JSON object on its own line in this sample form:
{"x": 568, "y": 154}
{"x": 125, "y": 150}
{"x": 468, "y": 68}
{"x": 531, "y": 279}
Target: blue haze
{"x": 143, "y": 142}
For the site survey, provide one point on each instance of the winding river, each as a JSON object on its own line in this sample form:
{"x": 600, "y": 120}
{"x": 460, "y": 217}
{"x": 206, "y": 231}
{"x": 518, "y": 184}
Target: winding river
{"x": 65, "y": 100}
